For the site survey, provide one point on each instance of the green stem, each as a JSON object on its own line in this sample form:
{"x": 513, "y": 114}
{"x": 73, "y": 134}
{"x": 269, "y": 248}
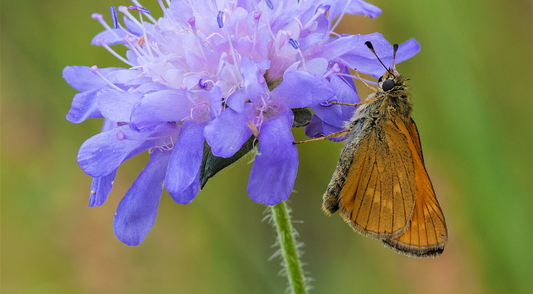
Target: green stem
{"x": 288, "y": 248}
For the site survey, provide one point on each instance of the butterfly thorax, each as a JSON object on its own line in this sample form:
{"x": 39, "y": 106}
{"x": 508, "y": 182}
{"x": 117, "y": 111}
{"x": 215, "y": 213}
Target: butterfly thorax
{"x": 391, "y": 96}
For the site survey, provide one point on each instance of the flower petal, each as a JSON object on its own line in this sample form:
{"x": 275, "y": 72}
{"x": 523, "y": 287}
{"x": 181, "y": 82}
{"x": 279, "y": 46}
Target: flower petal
{"x": 189, "y": 193}
{"x": 215, "y": 97}
{"x": 330, "y": 129}
{"x": 357, "y": 7}
{"x": 236, "y": 100}
{"x": 84, "y": 106}
{"x": 161, "y": 106}
{"x": 302, "y": 89}
{"x": 113, "y": 37}
{"x": 137, "y": 211}
{"x": 365, "y": 61}
{"x": 362, "y": 8}
{"x": 228, "y": 132}
{"x": 250, "y": 74}
{"x": 100, "y": 189}
{"x": 314, "y": 128}
{"x": 310, "y": 40}
{"x": 117, "y": 105}
{"x": 186, "y": 158}
{"x": 337, "y": 115}
{"x": 407, "y": 50}
{"x": 340, "y": 46}
{"x": 316, "y": 65}
{"x": 274, "y": 170}
{"x": 82, "y": 79}
{"x": 101, "y": 154}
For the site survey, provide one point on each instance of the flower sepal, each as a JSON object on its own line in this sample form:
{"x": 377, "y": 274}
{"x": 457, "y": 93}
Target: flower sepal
{"x": 212, "y": 164}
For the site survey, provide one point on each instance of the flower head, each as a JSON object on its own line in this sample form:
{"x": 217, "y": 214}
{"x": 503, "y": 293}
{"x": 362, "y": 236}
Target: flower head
{"x": 218, "y": 72}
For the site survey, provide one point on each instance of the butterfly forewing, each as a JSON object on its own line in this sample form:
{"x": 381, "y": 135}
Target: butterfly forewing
{"x": 376, "y": 195}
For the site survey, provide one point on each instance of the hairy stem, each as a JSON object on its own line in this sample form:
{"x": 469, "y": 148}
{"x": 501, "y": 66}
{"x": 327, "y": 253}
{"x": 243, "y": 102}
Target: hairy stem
{"x": 288, "y": 248}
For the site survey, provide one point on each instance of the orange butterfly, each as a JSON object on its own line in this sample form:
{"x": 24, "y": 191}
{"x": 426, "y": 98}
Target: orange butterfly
{"x": 381, "y": 186}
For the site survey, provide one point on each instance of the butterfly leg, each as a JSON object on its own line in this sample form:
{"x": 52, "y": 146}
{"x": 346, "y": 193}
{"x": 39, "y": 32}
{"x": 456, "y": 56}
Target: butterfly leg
{"x": 355, "y": 104}
{"x": 333, "y": 135}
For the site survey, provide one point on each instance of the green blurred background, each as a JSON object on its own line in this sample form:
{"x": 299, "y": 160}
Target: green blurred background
{"x": 472, "y": 89}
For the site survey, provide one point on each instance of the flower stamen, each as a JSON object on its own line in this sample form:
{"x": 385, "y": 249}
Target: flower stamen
{"x": 340, "y": 17}
{"x": 94, "y": 69}
{"x": 192, "y": 22}
{"x": 100, "y": 19}
{"x": 254, "y": 129}
{"x": 220, "y": 19}
{"x": 269, "y": 4}
{"x": 101, "y": 43}
{"x": 114, "y": 16}
{"x": 138, "y": 4}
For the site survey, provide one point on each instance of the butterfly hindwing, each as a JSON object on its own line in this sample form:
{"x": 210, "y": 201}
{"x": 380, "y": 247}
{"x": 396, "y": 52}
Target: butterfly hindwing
{"x": 427, "y": 233}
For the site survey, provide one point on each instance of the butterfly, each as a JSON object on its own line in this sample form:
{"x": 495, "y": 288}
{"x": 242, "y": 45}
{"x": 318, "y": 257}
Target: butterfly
{"x": 380, "y": 186}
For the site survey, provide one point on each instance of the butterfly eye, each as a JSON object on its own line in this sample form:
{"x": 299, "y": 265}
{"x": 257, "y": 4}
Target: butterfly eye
{"x": 387, "y": 85}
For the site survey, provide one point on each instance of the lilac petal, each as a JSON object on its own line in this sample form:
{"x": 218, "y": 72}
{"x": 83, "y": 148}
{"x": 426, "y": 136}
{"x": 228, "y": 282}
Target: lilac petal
{"x": 250, "y": 73}
{"x": 274, "y": 170}
{"x": 407, "y": 50}
{"x": 117, "y": 105}
{"x": 189, "y": 193}
{"x": 357, "y": 7}
{"x": 186, "y": 158}
{"x": 310, "y": 40}
{"x": 215, "y": 97}
{"x": 227, "y": 133}
{"x": 137, "y": 211}
{"x": 84, "y": 106}
{"x": 263, "y": 64}
{"x": 161, "y": 106}
{"x": 337, "y": 115}
{"x": 82, "y": 79}
{"x": 122, "y": 76}
{"x": 100, "y": 189}
{"x": 314, "y": 128}
{"x": 133, "y": 27}
{"x": 148, "y": 87}
{"x": 284, "y": 19}
{"x": 317, "y": 65}
{"x": 236, "y": 100}
{"x": 101, "y": 154}
{"x": 340, "y": 46}
{"x": 302, "y": 89}
{"x": 113, "y": 37}
{"x": 330, "y": 129}
{"x": 108, "y": 125}
{"x": 348, "y": 80}
{"x": 362, "y": 8}
{"x": 331, "y": 113}
{"x": 320, "y": 25}
{"x": 364, "y": 60}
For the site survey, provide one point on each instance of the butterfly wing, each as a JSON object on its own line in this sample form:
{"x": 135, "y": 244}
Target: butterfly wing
{"x": 374, "y": 184}
{"x": 427, "y": 233}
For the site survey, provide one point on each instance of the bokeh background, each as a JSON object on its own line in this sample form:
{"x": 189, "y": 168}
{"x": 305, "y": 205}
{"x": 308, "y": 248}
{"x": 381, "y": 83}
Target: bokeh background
{"x": 472, "y": 89}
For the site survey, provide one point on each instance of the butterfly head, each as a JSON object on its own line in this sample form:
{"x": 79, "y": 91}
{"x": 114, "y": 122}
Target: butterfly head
{"x": 390, "y": 81}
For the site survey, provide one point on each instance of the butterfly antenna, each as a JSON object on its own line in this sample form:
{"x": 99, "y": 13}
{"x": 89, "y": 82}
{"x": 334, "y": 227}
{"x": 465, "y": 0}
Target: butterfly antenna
{"x": 369, "y": 45}
{"x": 395, "y": 47}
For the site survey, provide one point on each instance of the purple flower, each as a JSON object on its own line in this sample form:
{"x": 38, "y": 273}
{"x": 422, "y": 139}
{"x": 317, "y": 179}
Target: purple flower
{"x": 217, "y": 72}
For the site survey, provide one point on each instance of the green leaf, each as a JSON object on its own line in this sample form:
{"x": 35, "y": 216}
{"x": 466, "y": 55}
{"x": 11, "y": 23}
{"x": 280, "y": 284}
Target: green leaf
{"x": 302, "y": 117}
{"x": 212, "y": 164}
